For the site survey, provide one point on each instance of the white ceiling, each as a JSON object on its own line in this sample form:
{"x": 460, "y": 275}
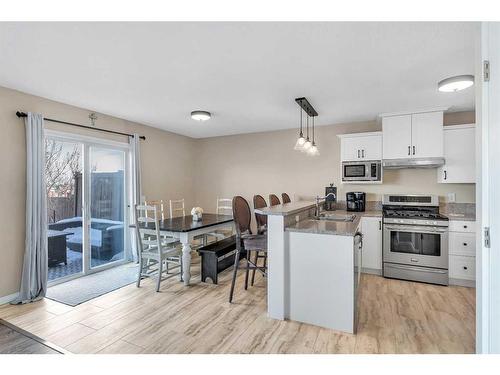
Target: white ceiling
{"x": 246, "y": 74}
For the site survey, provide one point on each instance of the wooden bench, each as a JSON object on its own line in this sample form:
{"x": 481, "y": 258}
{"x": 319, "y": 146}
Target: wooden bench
{"x": 216, "y": 257}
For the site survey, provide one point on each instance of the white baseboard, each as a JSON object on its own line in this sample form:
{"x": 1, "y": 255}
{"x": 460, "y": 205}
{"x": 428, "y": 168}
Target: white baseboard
{"x": 460, "y": 282}
{"x": 7, "y": 299}
{"x": 371, "y": 271}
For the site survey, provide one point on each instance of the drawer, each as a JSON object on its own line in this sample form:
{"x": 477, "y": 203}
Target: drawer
{"x": 462, "y": 244}
{"x": 462, "y": 226}
{"x": 462, "y": 267}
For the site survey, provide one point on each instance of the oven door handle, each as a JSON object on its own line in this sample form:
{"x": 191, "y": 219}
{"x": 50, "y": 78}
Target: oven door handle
{"x": 416, "y": 228}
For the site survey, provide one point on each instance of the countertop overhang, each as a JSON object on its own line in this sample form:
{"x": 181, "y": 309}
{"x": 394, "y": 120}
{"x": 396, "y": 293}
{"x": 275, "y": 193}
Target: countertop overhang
{"x": 286, "y": 208}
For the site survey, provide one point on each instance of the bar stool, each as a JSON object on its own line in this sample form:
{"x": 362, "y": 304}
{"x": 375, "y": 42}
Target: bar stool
{"x": 273, "y": 200}
{"x": 261, "y": 221}
{"x": 251, "y": 242}
{"x": 285, "y": 198}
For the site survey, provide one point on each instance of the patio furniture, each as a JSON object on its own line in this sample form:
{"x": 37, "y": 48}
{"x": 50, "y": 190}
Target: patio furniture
{"x": 56, "y": 247}
{"x": 106, "y": 236}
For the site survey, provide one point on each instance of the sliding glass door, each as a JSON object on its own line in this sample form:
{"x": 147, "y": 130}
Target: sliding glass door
{"x": 107, "y": 205}
{"x": 87, "y": 199}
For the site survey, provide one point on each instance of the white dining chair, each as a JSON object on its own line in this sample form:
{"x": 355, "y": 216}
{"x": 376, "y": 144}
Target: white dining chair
{"x": 177, "y": 208}
{"x": 155, "y": 251}
{"x": 159, "y": 203}
{"x": 224, "y": 206}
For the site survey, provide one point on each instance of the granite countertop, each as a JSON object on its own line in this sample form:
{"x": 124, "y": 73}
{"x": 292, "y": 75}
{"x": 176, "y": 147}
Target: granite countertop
{"x": 338, "y": 228}
{"x": 286, "y": 209}
{"x": 459, "y": 217}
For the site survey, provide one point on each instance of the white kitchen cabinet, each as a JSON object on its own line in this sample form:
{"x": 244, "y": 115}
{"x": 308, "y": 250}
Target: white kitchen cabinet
{"x": 459, "y": 155}
{"x": 427, "y": 135}
{"x": 396, "y": 134}
{"x": 462, "y": 252}
{"x": 416, "y": 135}
{"x": 371, "y": 227}
{"x": 361, "y": 146}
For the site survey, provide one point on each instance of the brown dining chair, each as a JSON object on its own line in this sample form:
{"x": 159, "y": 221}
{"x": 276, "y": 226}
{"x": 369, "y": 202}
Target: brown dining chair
{"x": 246, "y": 242}
{"x": 261, "y": 221}
{"x": 273, "y": 200}
{"x": 285, "y": 198}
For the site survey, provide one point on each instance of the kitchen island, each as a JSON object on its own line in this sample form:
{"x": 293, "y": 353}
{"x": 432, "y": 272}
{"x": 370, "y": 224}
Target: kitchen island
{"x": 314, "y": 266}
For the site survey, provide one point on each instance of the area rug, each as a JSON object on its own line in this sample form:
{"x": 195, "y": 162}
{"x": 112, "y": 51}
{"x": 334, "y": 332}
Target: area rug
{"x": 85, "y": 288}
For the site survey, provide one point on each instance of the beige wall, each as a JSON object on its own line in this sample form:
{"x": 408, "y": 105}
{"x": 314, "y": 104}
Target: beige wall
{"x": 262, "y": 163}
{"x": 167, "y": 161}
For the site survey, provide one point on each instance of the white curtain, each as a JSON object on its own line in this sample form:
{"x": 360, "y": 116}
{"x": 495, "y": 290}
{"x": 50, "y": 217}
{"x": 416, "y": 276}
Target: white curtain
{"x": 136, "y": 186}
{"x": 34, "y": 276}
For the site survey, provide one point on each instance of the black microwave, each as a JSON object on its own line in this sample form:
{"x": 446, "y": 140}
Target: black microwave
{"x": 361, "y": 171}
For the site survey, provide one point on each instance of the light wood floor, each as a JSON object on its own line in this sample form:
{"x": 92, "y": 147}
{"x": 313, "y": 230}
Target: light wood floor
{"x": 12, "y": 342}
{"x": 395, "y": 317}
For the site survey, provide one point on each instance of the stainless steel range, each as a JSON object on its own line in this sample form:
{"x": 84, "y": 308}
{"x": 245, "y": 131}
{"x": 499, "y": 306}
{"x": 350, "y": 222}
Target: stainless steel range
{"x": 415, "y": 239}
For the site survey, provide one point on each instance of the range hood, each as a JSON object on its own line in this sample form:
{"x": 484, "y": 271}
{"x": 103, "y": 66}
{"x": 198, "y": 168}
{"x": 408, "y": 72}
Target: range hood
{"x": 412, "y": 163}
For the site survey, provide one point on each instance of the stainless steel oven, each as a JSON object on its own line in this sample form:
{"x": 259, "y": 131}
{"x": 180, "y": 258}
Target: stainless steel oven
{"x": 361, "y": 170}
{"x": 415, "y": 239}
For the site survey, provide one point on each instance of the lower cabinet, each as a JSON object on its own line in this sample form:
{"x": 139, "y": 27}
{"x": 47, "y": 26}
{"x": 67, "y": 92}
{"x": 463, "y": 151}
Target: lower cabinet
{"x": 371, "y": 260}
{"x": 462, "y": 250}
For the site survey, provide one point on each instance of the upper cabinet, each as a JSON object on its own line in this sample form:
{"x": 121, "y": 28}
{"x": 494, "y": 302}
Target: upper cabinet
{"x": 361, "y": 146}
{"x": 459, "y": 154}
{"x": 416, "y": 135}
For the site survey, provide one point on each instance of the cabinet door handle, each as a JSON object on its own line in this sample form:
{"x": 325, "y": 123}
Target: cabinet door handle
{"x": 465, "y": 243}
{"x": 380, "y": 225}
{"x": 465, "y": 267}
{"x": 445, "y": 175}
{"x": 408, "y": 150}
{"x": 413, "y": 150}
{"x": 358, "y": 154}
{"x": 362, "y": 153}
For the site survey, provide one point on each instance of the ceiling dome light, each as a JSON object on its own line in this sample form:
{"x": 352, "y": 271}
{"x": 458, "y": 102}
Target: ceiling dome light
{"x": 200, "y": 115}
{"x": 456, "y": 83}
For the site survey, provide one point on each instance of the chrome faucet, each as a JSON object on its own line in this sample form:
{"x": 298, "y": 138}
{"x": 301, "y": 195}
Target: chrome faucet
{"x": 318, "y": 199}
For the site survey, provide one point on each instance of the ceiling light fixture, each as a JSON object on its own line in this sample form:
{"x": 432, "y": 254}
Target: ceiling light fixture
{"x": 201, "y": 115}
{"x": 456, "y": 83}
{"x": 305, "y": 144}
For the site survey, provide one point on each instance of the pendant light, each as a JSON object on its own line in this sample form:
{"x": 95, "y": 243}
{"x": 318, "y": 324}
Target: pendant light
{"x": 301, "y": 140}
{"x": 307, "y": 144}
{"x": 313, "y": 150}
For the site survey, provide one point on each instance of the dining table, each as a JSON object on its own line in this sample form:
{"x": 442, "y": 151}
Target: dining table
{"x": 185, "y": 229}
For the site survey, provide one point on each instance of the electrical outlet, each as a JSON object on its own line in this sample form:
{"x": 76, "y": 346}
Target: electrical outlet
{"x": 451, "y": 197}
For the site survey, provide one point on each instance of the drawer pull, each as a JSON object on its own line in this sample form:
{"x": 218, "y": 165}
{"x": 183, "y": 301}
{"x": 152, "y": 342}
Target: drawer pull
{"x": 465, "y": 267}
{"x": 465, "y": 243}
{"x": 465, "y": 226}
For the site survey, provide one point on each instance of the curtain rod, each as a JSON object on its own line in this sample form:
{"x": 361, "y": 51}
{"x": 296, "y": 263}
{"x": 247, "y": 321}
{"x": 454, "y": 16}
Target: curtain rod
{"x": 23, "y": 114}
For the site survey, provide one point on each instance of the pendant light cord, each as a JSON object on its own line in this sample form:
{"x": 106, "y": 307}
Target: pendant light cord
{"x": 307, "y": 127}
{"x": 300, "y": 109}
{"x": 313, "y": 129}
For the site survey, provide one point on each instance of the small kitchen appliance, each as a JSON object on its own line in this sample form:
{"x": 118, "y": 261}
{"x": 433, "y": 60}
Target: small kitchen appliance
{"x": 355, "y": 201}
{"x": 415, "y": 239}
{"x": 330, "y": 197}
{"x": 368, "y": 171}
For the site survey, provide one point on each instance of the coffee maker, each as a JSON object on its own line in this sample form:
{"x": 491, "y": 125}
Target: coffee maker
{"x": 355, "y": 201}
{"x": 331, "y": 197}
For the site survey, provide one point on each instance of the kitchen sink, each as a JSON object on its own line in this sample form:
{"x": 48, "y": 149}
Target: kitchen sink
{"x": 335, "y": 217}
